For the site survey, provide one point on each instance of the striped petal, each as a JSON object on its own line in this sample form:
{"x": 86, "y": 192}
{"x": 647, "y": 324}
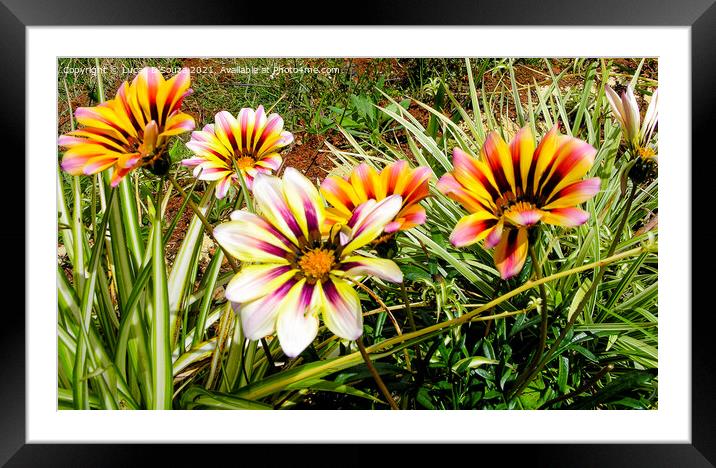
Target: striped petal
{"x": 97, "y": 164}
{"x": 522, "y": 148}
{"x": 366, "y": 183}
{"x": 205, "y": 144}
{"x": 339, "y": 193}
{"x": 358, "y": 265}
{"x": 370, "y": 220}
{"x": 450, "y": 186}
{"x": 271, "y": 202}
{"x": 250, "y": 238}
{"x": 475, "y": 177}
{"x": 305, "y": 202}
{"x": 574, "y": 194}
{"x": 333, "y": 216}
{"x": 255, "y": 281}
{"x": 499, "y": 158}
{"x": 472, "y": 228}
{"x": 118, "y": 174}
{"x": 177, "y": 124}
{"x": 271, "y": 162}
{"x": 223, "y": 185}
{"x": 511, "y": 253}
{"x": 408, "y": 217}
{"x": 523, "y": 217}
{"x": 270, "y": 137}
{"x": 542, "y": 158}
{"x": 566, "y": 217}
{"x": 297, "y": 323}
{"x": 572, "y": 161}
{"x": 411, "y": 184}
{"x": 258, "y": 317}
{"x": 495, "y": 235}
{"x": 226, "y": 131}
{"x": 341, "y": 309}
{"x": 174, "y": 91}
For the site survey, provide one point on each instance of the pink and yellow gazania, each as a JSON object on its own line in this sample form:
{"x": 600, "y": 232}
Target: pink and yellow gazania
{"x": 365, "y": 183}
{"x": 248, "y": 145}
{"x": 130, "y": 131}
{"x": 291, "y": 273}
{"x": 637, "y": 134}
{"x": 513, "y": 187}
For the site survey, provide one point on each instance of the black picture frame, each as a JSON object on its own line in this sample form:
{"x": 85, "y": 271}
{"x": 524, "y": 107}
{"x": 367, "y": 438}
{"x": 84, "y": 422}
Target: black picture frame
{"x": 17, "y": 15}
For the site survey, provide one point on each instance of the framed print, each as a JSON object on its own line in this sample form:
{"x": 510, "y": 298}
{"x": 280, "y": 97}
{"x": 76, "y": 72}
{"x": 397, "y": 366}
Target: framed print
{"x": 393, "y": 225}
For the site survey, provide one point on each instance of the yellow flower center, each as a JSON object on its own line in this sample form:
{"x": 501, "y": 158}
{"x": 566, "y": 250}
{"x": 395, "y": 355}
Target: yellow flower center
{"x": 646, "y": 153}
{"x": 245, "y": 162}
{"x": 315, "y": 264}
{"x": 510, "y": 203}
{"x": 519, "y": 206}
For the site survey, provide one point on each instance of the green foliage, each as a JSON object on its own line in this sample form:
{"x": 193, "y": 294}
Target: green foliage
{"x": 141, "y": 325}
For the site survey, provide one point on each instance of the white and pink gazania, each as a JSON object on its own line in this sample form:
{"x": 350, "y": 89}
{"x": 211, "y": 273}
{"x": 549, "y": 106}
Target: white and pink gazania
{"x": 248, "y": 144}
{"x": 292, "y": 273}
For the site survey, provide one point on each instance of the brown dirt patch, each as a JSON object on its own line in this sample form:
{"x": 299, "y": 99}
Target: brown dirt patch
{"x": 420, "y": 114}
{"x": 307, "y": 155}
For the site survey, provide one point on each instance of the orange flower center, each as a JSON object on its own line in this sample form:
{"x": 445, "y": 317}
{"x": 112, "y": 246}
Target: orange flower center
{"x": 518, "y": 207}
{"x": 315, "y": 264}
{"x": 646, "y": 153}
{"x": 245, "y": 162}
{"x": 511, "y": 203}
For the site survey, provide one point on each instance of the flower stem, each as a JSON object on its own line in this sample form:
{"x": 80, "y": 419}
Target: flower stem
{"x": 585, "y": 299}
{"x": 267, "y": 351}
{"x": 387, "y": 311}
{"x": 245, "y": 190}
{"x": 374, "y": 373}
{"x": 411, "y": 318}
{"x": 207, "y": 225}
{"x": 537, "y": 269}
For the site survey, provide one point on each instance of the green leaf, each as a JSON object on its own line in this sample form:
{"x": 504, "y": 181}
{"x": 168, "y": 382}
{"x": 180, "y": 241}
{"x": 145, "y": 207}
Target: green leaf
{"x": 198, "y": 398}
{"x": 563, "y": 373}
{"x": 328, "y": 386}
{"x": 472, "y": 363}
{"x": 160, "y": 338}
{"x": 183, "y": 269}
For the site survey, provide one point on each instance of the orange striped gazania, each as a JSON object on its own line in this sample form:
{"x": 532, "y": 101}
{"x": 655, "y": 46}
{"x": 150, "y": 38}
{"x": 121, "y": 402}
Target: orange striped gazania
{"x": 130, "y": 131}
{"x": 365, "y": 183}
{"x": 248, "y": 144}
{"x": 511, "y": 188}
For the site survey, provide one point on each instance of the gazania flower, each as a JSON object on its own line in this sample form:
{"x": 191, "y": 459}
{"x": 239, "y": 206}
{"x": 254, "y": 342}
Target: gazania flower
{"x": 638, "y": 134}
{"x": 511, "y": 188}
{"x": 292, "y": 273}
{"x": 364, "y": 183}
{"x": 248, "y": 144}
{"x": 132, "y": 130}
